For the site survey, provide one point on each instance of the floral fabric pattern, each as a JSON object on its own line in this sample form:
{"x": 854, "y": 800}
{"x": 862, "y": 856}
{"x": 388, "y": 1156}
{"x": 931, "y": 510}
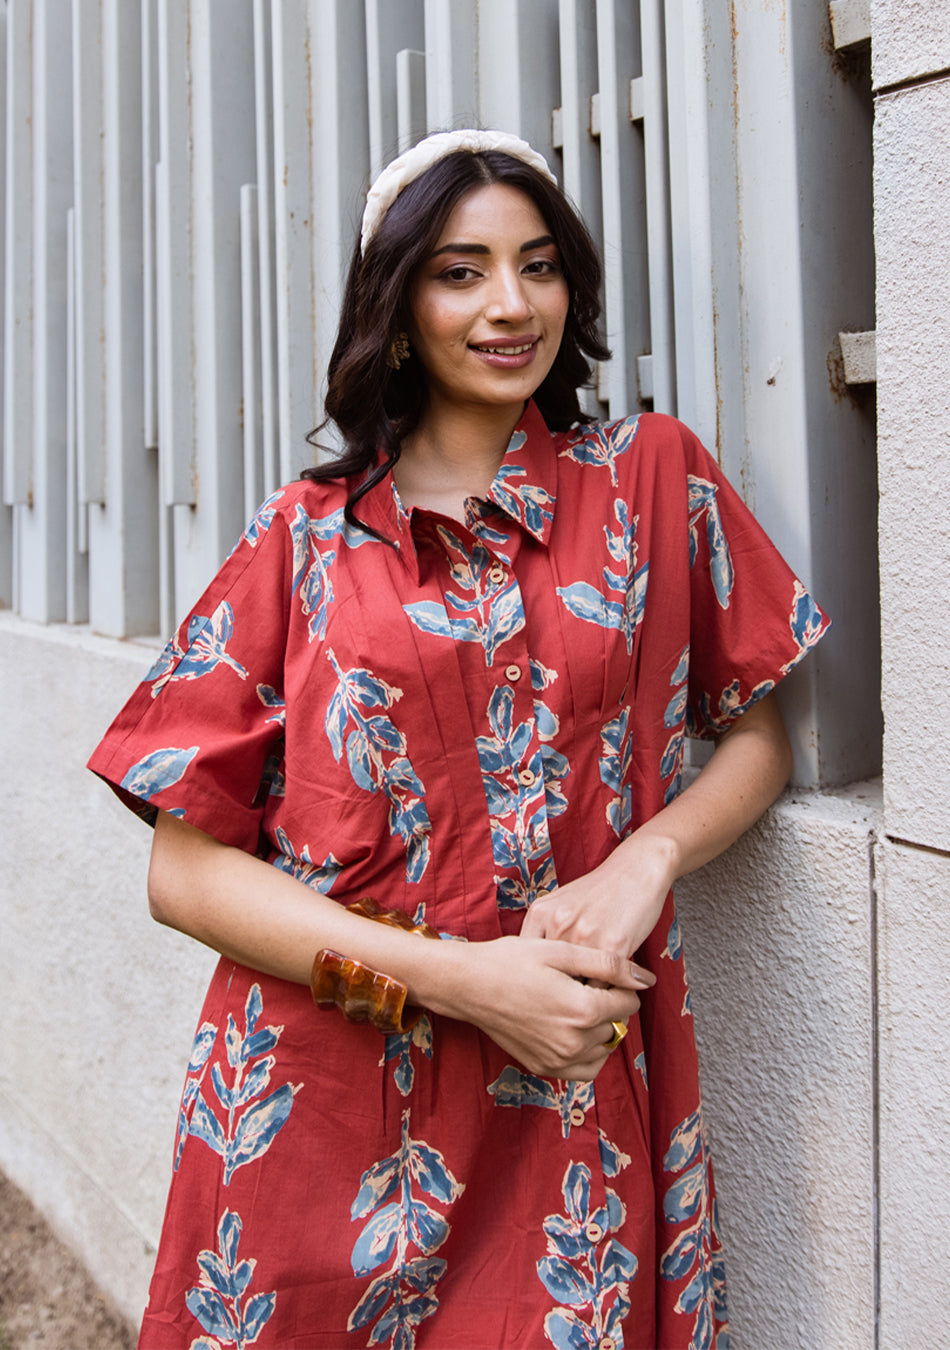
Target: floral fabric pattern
{"x": 454, "y": 717}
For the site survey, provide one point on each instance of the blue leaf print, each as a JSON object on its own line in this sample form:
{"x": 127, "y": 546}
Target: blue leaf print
{"x": 399, "y": 1048}
{"x": 614, "y": 765}
{"x": 578, "y": 1274}
{"x": 565, "y": 1283}
{"x": 427, "y": 1229}
{"x": 257, "y": 1128}
{"x": 601, "y": 446}
{"x": 299, "y": 864}
{"x": 377, "y": 757}
{"x": 479, "y": 607}
{"x": 674, "y": 941}
{"x": 157, "y": 771}
{"x": 696, "y": 1253}
{"x": 261, "y": 521}
{"x": 216, "y": 1301}
{"x": 566, "y": 1331}
{"x": 529, "y": 503}
{"x": 270, "y": 698}
{"x": 403, "y": 1296}
{"x": 612, "y": 1159}
{"x": 516, "y": 792}
{"x": 209, "y": 1308}
{"x": 316, "y": 542}
{"x": 516, "y": 1087}
{"x": 207, "y": 649}
{"x": 376, "y": 1243}
{"x": 703, "y": 501}
{"x": 373, "y": 1301}
{"x": 586, "y": 602}
{"x": 730, "y": 706}
{"x": 251, "y": 1132}
{"x": 203, "y": 1045}
{"x": 806, "y": 622}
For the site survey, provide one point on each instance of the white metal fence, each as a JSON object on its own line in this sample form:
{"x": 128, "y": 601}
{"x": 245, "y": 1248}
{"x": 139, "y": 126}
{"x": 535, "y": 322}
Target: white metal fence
{"x": 183, "y": 183}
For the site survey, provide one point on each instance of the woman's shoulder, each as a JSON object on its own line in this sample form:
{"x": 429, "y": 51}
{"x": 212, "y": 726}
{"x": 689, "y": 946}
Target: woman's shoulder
{"x": 642, "y": 440}
{"x": 301, "y": 497}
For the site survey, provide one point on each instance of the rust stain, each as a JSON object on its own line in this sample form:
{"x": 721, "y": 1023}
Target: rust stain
{"x": 836, "y": 380}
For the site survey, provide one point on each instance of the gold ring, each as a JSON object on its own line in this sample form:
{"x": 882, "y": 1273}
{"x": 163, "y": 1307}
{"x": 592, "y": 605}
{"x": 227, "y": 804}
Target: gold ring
{"x": 620, "y": 1030}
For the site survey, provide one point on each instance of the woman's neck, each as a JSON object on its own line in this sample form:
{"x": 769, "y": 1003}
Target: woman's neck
{"x": 453, "y": 454}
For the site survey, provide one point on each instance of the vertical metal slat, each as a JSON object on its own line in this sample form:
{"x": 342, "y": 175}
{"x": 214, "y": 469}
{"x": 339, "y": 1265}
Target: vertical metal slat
{"x": 451, "y": 41}
{"x": 18, "y": 260}
{"x": 264, "y": 141}
{"x": 391, "y": 26}
{"x": 150, "y": 157}
{"x": 89, "y": 260}
{"x": 687, "y": 99}
{"x": 410, "y": 97}
{"x": 294, "y": 195}
{"x": 251, "y": 352}
{"x": 173, "y": 206}
{"x": 77, "y": 534}
{"x": 626, "y": 284}
{"x": 519, "y": 69}
{"x": 656, "y": 171}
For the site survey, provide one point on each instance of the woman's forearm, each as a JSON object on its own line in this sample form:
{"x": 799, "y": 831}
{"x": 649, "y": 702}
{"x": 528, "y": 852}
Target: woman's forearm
{"x": 617, "y": 905}
{"x": 748, "y": 770}
{"x": 521, "y": 994}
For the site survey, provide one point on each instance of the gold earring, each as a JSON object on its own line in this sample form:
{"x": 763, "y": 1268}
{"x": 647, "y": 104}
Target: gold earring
{"x": 399, "y": 351}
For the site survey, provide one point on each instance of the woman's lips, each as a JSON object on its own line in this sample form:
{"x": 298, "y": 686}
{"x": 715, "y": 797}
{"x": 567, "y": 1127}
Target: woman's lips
{"x": 508, "y": 354}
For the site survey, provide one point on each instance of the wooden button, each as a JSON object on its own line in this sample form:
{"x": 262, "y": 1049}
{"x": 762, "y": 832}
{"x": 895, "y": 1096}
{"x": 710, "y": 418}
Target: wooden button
{"x": 496, "y": 574}
{"x": 513, "y": 673}
{"x": 594, "y": 1232}
{"x": 577, "y": 1116}
{"x": 527, "y": 777}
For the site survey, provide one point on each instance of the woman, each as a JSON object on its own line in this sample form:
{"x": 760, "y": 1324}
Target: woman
{"x": 454, "y": 671}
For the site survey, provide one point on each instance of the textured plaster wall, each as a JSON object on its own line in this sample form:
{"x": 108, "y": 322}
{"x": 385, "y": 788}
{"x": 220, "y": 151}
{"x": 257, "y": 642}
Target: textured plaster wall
{"x": 100, "y": 1002}
{"x": 914, "y": 1096}
{"x": 778, "y": 935}
{"x": 912, "y": 208}
{"x": 911, "y": 38}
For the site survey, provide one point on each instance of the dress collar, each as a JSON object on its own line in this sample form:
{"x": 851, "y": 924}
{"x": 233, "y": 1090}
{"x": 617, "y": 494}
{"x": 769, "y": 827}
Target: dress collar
{"x": 525, "y": 488}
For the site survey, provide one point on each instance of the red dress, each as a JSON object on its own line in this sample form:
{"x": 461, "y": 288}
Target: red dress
{"x": 453, "y": 724}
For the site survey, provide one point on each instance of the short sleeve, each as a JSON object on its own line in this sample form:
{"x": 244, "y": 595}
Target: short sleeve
{"x": 751, "y": 619}
{"x": 202, "y": 732}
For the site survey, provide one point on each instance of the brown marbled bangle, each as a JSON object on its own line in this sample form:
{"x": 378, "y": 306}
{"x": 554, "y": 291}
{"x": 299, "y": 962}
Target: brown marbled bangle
{"x": 363, "y": 994}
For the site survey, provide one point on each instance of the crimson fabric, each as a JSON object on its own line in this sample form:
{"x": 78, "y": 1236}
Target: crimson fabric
{"x": 453, "y": 724}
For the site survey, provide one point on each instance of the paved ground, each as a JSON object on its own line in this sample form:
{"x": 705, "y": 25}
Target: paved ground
{"x": 47, "y": 1300}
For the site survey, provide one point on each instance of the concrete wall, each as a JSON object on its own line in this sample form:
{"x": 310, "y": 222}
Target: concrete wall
{"x": 779, "y": 951}
{"x": 100, "y": 1002}
{"x": 912, "y": 207}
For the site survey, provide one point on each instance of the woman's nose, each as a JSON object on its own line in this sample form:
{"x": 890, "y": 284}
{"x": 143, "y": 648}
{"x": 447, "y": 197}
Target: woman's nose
{"x": 508, "y": 300}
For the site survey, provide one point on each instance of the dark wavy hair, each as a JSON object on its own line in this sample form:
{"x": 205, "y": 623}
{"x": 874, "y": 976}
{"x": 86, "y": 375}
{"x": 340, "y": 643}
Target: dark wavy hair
{"x": 375, "y": 406}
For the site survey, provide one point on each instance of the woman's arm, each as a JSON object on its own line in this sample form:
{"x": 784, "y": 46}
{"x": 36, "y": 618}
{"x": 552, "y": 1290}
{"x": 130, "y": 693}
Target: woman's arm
{"x": 616, "y": 906}
{"x": 521, "y": 994}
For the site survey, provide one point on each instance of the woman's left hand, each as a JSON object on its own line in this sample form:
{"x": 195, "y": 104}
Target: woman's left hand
{"x": 614, "y": 908}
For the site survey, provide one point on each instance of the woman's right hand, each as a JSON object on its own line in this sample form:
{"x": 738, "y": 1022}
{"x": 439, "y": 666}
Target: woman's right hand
{"x": 531, "y": 996}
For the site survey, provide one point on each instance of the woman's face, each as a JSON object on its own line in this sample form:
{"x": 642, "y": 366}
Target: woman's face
{"x": 489, "y": 304}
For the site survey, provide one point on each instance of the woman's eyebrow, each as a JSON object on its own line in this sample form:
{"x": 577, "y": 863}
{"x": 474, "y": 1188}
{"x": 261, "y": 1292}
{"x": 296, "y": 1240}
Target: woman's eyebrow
{"x": 541, "y": 242}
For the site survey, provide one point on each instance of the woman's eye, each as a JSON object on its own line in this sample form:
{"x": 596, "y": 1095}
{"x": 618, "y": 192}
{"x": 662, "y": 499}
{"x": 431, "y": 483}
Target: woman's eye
{"x": 540, "y": 267}
{"x": 459, "y": 273}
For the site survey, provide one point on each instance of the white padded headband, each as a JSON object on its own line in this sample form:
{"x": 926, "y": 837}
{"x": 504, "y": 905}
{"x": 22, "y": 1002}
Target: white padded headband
{"x": 410, "y": 165}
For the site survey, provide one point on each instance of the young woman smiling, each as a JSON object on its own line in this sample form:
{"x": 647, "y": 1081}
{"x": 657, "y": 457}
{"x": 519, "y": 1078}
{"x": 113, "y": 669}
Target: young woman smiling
{"x": 453, "y": 670}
